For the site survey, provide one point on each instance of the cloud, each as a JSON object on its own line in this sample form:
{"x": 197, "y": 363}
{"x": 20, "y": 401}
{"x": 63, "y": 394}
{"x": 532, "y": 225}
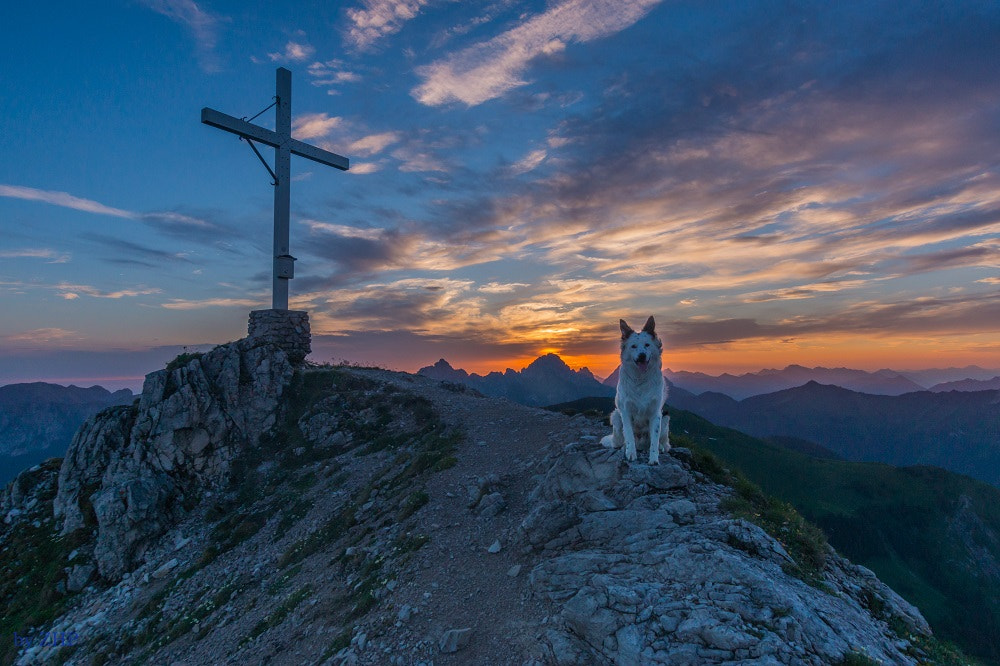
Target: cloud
{"x": 128, "y": 251}
{"x": 362, "y": 168}
{"x": 803, "y": 291}
{"x": 177, "y": 220}
{"x": 416, "y": 157}
{"x": 71, "y": 291}
{"x": 52, "y": 256}
{"x": 185, "y": 304}
{"x": 332, "y": 73}
{"x": 294, "y": 52}
{"x": 488, "y": 70}
{"x": 172, "y": 223}
{"x": 62, "y": 199}
{"x": 354, "y": 252}
{"x": 755, "y": 183}
{"x": 378, "y": 19}
{"x": 42, "y": 335}
{"x": 795, "y": 192}
{"x": 314, "y": 125}
{"x": 529, "y": 161}
{"x": 959, "y": 316}
{"x": 373, "y": 144}
{"x": 204, "y": 27}
{"x": 426, "y": 306}
{"x": 501, "y": 288}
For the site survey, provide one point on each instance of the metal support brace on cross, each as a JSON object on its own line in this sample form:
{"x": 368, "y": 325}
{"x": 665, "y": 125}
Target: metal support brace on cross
{"x": 284, "y": 147}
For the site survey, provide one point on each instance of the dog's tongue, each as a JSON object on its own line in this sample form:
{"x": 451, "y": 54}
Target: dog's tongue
{"x": 642, "y": 365}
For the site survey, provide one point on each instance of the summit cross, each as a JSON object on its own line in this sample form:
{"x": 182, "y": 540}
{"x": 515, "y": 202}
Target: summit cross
{"x": 284, "y": 147}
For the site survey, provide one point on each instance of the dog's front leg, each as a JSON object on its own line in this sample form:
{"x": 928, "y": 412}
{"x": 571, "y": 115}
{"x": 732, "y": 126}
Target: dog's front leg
{"x": 654, "y": 440}
{"x": 629, "y": 433}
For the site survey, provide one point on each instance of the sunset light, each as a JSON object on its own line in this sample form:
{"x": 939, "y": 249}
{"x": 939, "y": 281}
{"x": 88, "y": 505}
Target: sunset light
{"x": 814, "y": 185}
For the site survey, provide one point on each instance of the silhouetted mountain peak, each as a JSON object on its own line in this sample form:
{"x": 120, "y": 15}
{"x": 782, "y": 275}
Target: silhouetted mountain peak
{"x": 548, "y": 363}
{"x": 442, "y": 370}
{"x": 546, "y": 380}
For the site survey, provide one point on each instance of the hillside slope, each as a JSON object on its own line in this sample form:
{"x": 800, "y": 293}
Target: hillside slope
{"x": 386, "y": 518}
{"x": 955, "y": 431}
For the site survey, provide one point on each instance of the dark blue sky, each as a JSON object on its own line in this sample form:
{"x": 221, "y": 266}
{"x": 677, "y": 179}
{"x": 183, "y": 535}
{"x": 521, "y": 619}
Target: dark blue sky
{"x": 777, "y": 182}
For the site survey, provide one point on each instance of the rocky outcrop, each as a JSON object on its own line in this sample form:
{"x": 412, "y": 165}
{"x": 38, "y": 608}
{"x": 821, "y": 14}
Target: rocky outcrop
{"x": 648, "y": 569}
{"x": 129, "y": 470}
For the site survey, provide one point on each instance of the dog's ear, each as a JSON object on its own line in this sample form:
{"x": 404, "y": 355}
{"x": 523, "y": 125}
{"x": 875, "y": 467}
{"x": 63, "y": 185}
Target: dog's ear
{"x": 626, "y": 329}
{"x": 650, "y": 326}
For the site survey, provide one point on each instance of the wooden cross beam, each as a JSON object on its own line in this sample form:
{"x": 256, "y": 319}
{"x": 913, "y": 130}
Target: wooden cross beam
{"x": 284, "y": 147}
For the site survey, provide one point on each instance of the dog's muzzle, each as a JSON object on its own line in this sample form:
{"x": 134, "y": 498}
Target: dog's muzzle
{"x": 642, "y": 362}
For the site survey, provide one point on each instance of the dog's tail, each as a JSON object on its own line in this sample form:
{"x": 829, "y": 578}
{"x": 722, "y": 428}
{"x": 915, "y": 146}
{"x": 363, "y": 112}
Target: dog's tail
{"x": 608, "y": 441}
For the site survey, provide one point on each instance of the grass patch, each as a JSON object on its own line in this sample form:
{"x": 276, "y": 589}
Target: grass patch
{"x": 326, "y": 535}
{"x": 279, "y": 614}
{"x": 236, "y": 529}
{"x": 182, "y": 360}
{"x": 933, "y": 652}
{"x": 342, "y": 641}
{"x": 283, "y": 580}
{"x": 34, "y": 558}
{"x": 293, "y": 512}
{"x": 803, "y": 541}
{"x": 410, "y": 543}
{"x": 412, "y": 504}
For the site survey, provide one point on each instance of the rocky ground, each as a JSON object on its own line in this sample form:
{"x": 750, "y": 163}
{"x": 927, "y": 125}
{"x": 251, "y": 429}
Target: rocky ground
{"x": 396, "y": 519}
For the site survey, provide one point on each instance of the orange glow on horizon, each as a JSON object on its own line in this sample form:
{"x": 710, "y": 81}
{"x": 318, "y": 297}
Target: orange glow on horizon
{"x": 898, "y": 354}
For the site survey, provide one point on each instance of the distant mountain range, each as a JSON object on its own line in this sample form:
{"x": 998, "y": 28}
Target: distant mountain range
{"x": 881, "y": 382}
{"x": 968, "y": 385}
{"x": 546, "y": 380}
{"x": 38, "y": 420}
{"x": 958, "y": 431}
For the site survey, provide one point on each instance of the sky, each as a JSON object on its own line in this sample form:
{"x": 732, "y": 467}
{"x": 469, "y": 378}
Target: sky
{"x": 777, "y": 182}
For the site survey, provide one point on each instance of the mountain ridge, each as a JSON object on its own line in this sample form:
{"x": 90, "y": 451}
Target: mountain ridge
{"x": 544, "y": 381}
{"x": 953, "y": 430}
{"x": 882, "y": 382}
{"x": 246, "y": 505}
{"x": 38, "y": 420}
{"x": 767, "y": 380}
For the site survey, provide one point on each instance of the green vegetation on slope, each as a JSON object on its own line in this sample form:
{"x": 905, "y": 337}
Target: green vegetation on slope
{"x": 34, "y": 558}
{"x": 926, "y": 532}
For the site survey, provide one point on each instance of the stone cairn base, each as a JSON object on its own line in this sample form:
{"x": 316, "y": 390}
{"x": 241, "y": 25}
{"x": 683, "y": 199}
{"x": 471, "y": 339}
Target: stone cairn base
{"x": 288, "y": 329}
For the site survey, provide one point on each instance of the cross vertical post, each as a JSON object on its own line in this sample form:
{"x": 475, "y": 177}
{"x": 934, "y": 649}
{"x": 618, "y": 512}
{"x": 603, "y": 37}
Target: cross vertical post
{"x": 285, "y": 146}
{"x": 283, "y": 261}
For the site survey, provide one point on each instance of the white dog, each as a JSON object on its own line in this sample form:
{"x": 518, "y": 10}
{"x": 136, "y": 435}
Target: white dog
{"x": 641, "y": 394}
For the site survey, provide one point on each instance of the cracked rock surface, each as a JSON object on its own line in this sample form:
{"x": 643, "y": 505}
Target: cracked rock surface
{"x": 648, "y": 570}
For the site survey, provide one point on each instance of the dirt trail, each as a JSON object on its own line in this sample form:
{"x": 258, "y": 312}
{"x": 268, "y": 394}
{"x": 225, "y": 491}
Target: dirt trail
{"x": 454, "y": 581}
